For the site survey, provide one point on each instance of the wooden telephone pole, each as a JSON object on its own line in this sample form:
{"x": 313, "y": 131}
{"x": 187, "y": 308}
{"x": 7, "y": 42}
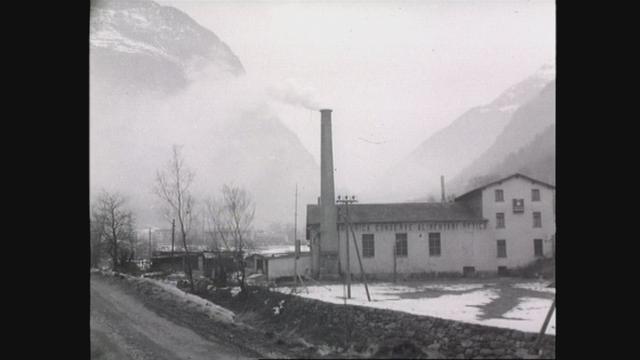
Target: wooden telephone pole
{"x": 362, "y": 273}
{"x": 347, "y": 201}
{"x": 295, "y": 240}
{"x": 173, "y": 236}
{"x": 349, "y": 228}
{"x": 544, "y": 325}
{"x": 394, "y": 263}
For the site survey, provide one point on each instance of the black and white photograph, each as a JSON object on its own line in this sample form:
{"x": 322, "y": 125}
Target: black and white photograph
{"x": 324, "y": 179}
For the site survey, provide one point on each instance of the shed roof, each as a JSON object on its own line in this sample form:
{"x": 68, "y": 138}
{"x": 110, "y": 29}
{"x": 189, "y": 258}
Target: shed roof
{"x": 398, "y": 212}
{"x": 287, "y": 255}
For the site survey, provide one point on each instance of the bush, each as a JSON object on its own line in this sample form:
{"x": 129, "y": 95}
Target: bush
{"x": 130, "y": 268}
{"x": 544, "y": 268}
{"x": 435, "y": 275}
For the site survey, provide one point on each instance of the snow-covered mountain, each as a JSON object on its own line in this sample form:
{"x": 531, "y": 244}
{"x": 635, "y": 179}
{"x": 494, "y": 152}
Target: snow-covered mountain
{"x": 532, "y": 127}
{"x": 450, "y": 150}
{"x": 146, "y": 45}
{"x": 158, "y": 78}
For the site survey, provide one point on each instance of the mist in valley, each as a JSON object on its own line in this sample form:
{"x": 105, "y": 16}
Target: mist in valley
{"x": 161, "y": 77}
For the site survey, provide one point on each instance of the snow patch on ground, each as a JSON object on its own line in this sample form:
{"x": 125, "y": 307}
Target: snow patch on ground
{"x": 456, "y": 307}
{"x": 527, "y": 316}
{"x": 541, "y": 286}
{"x": 520, "y": 317}
{"x": 212, "y": 310}
{"x": 455, "y": 287}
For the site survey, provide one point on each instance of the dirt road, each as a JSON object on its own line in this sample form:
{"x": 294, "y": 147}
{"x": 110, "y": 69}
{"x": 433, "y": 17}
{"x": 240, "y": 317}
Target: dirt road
{"x": 124, "y": 328}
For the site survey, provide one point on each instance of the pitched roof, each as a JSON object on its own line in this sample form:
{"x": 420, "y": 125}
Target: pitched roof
{"x": 516, "y": 175}
{"x": 398, "y": 212}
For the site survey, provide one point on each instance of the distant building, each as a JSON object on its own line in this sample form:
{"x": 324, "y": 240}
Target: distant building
{"x": 502, "y": 225}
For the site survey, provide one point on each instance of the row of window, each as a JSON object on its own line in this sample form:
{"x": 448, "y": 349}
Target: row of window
{"x": 401, "y": 246}
{"x": 535, "y": 195}
{"x": 501, "y": 224}
{"x": 502, "y": 247}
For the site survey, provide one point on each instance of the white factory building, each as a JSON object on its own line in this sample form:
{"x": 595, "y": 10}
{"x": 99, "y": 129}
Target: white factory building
{"x": 502, "y": 225}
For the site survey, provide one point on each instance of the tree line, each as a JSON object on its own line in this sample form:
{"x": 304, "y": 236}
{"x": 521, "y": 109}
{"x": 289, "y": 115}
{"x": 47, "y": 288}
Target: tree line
{"x": 229, "y": 218}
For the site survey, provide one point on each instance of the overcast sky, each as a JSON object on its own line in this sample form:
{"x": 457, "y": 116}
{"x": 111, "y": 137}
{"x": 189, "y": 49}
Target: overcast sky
{"x": 393, "y": 72}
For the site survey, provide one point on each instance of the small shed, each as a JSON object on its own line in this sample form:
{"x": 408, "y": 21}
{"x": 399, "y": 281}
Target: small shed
{"x": 218, "y": 265}
{"x": 163, "y": 261}
{"x": 283, "y": 265}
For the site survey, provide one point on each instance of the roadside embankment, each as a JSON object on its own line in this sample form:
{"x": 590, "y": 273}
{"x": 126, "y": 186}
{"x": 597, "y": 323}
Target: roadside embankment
{"x": 363, "y": 331}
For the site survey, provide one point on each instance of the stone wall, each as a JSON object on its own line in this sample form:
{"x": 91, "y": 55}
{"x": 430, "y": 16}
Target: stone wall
{"x": 324, "y": 323}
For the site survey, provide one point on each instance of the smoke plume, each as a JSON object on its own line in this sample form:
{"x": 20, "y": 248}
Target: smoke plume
{"x": 293, "y": 92}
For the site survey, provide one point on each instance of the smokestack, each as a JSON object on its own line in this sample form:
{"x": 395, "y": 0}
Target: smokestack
{"x": 442, "y": 187}
{"x": 328, "y": 227}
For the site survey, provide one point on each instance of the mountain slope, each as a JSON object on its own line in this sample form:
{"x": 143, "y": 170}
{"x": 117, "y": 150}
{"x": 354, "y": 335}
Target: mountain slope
{"x": 141, "y": 44}
{"x": 453, "y": 148}
{"x": 527, "y": 122}
{"x": 158, "y": 79}
{"x": 537, "y": 159}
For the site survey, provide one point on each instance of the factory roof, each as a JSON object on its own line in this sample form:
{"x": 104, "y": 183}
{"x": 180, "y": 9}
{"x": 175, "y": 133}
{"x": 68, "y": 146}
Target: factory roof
{"x": 516, "y": 175}
{"x": 398, "y": 212}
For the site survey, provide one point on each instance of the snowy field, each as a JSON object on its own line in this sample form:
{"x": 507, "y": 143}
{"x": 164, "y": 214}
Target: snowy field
{"x": 519, "y": 305}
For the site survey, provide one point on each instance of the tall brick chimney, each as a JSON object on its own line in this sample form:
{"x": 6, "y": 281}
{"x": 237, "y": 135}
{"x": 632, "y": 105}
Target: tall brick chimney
{"x": 328, "y": 241}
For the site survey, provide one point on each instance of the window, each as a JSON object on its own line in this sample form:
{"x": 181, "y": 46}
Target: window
{"x": 502, "y": 248}
{"x": 537, "y": 247}
{"x": 500, "y": 221}
{"x": 401, "y": 245}
{"x": 499, "y": 195}
{"x": 537, "y": 219}
{"x": 368, "y": 249}
{"x": 518, "y": 206}
{"x": 434, "y": 244}
{"x": 535, "y": 194}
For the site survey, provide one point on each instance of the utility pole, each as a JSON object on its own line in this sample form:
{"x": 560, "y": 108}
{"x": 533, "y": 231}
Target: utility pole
{"x": 346, "y": 232}
{"x": 295, "y": 240}
{"x": 173, "y": 236}
{"x": 544, "y": 326}
{"x": 346, "y": 201}
{"x": 149, "y": 244}
{"x": 394, "y": 263}
{"x": 362, "y": 273}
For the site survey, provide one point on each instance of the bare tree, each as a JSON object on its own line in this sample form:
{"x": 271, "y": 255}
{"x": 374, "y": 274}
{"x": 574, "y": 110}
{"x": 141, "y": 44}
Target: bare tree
{"x": 216, "y": 224}
{"x": 173, "y": 187}
{"x": 113, "y": 223}
{"x": 239, "y": 210}
{"x": 96, "y": 239}
{"x": 218, "y": 235}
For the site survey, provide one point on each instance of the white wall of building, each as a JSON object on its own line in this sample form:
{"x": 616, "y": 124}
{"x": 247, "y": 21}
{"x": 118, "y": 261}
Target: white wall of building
{"x": 519, "y": 232}
{"x": 460, "y": 245}
{"x": 284, "y": 266}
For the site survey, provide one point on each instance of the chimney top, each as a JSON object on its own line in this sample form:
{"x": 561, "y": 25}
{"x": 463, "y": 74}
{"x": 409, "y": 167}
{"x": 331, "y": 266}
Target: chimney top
{"x": 325, "y": 110}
